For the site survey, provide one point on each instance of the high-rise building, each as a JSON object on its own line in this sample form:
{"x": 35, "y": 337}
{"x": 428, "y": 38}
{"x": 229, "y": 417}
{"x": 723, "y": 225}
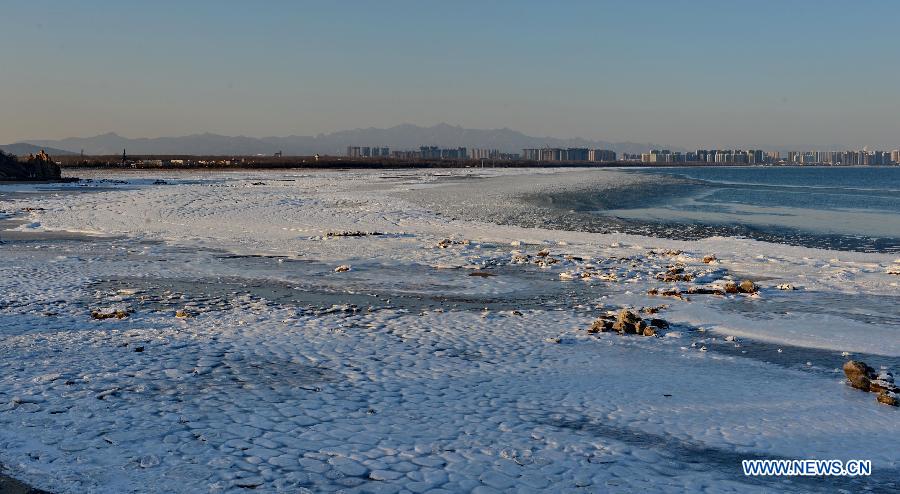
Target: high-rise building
{"x": 367, "y": 152}
{"x": 601, "y": 155}
{"x": 552, "y": 154}
{"x": 493, "y": 154}
{"x": 454, "y": 154}
{"x": 756, "y": 156}
{"x": 430, "y": 152}
{"x": 577, "y": 154}
{"x": 569, "y": 154}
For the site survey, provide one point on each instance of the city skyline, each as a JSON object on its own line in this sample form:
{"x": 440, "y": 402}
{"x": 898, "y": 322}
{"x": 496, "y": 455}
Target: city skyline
{"x": 701, "y": 75}
{"x": 76, "y": 144}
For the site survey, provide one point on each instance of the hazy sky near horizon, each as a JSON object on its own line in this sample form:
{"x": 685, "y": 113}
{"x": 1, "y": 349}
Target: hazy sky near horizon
{"x": 694, "y": 74}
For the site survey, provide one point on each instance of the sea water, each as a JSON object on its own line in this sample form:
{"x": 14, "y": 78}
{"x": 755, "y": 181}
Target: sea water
{"x": 842, "y": 208}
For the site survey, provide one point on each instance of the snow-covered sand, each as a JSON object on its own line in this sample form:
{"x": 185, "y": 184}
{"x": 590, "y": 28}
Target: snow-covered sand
{"x": 438, "y": 395}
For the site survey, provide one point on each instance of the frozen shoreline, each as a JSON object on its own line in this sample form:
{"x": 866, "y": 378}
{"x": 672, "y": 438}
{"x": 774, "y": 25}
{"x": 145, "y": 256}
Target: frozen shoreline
{"x": 658, "y": 204}
{"x": 408, "y": 397}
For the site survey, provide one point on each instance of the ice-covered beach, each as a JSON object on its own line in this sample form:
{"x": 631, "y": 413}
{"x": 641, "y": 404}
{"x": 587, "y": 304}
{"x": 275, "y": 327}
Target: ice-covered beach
{"x": 449, "y": 357}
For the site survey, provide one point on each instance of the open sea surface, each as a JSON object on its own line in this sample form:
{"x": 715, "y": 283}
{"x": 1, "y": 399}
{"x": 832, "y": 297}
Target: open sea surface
{"x": 843, "y": 208}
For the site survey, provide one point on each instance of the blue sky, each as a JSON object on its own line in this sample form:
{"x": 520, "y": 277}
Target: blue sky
{"x": 694, "y": 74}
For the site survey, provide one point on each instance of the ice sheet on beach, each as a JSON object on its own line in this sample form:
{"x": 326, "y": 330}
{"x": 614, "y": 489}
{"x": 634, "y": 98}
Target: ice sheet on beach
{"x": 249, "y": 389}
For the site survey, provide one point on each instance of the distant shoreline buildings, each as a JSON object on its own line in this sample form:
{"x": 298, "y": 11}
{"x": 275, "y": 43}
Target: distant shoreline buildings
{"x": 654, "y": 157}
{"x": 568, "y": 154}
{"x": 430, "y": 153}
{"x": 462, "y": 153}
{"x": 367, "y": 152}
{"x": 758, "y": 156}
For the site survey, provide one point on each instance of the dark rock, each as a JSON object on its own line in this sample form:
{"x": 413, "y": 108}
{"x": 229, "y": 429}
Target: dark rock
{"x": 628, "y": 316}
{"x": 731, "y": 287}
{"x": 600, "y": 326}
{"x": 667, "y": 292}
{"x": 116, "y": 314}
{"x": 879, "y": 385}
{"x": 674, "y": 277}
{"x": 675, "y": 273}
{"x": 748, "y": 286}
{"x": 888, "y": 398}
{"x": 659, "y": 323}
{"x": 859, "y": 374}
{"x": 356, "y": 233}
{"x": 546, "y": 261}
{"x": 624, "y": 327}
{"x": 883, "y": 381}
{"x": 653, "y": 310}
{"x": 482, "y": 274}
{"x": 629, "y": 322}
{"x": 699, "y": 290}
{"x": 443, "y": 244}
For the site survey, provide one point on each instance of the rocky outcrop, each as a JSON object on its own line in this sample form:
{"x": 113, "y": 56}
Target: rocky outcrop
{"x": 862, "y": 377}
{"x": 109, "y": 314}
{"x": 745, "y": 286}
{"x": 447, "y": 242}
{"x": 667, "y": 292}
{"x": 36, "y": 167}
{"x": 351, "y": 233}
{"x": 627, "y": 322}
{"x": 859, "y": 375}
{"x": 888, "y": 398}
{"x": 675, "y": 273}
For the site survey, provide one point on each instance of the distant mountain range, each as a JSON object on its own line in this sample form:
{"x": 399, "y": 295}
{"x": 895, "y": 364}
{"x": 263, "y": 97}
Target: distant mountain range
{"x": 24, "y": 149}
{"x": 404, "y": 136}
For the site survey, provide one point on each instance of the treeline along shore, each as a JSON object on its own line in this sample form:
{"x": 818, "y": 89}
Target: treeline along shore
{"x": 34, "y": 168}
